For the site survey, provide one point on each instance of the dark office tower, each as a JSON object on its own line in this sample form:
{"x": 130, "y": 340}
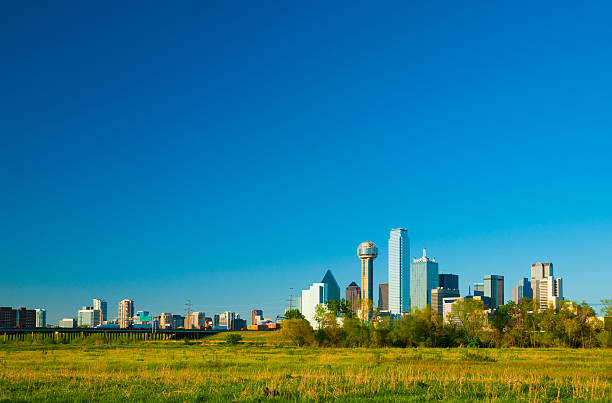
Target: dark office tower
{"x": 494, "y": 289}
{"x": 254, "y": 314}
{"x": 26, "y": 318}
{"x": 8, "y": 317}
{"x": 448, "y": 281}
{"x": 383, "y": 297}
{"x": 479, "y": 289}
{"x": 178, "y": 321}
{"x": 353, "y": 293}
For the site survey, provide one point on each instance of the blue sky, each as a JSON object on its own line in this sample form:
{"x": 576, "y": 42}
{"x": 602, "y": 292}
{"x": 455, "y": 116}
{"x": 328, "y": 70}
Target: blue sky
{"x": 224, "y": 152}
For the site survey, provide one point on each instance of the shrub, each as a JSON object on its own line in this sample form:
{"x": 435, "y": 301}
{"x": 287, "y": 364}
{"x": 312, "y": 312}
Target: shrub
{"x": 233, "y": 339}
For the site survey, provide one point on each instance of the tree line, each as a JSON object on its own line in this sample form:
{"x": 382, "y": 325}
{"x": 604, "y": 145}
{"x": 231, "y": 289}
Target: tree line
{"x": 570, "y": 324}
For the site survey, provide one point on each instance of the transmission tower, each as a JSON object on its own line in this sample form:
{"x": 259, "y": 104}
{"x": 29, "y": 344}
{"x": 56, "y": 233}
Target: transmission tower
{"x": 290, "y": 298}
{"x": 188, "y": 305}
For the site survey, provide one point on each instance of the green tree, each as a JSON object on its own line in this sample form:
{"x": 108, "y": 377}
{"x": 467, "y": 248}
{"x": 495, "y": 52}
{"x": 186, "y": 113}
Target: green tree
{"x": 332, "y": 329}
{"x": 500, "y": 322}
{"x": 341, "y": 306}
{"x": 320, "y": 312}
{"x": 606, "y": 309}
{"x": 470, "y": 317}
{"x": 355, "y": 333}
{"x": 403, "y": 332}
{"x": 297, "y": 332}
{"x": 293, "y": 314}
{"x": 364, "y": 307}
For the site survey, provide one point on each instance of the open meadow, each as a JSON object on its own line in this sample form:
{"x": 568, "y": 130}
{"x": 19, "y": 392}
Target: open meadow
{"x": 210, "y": 370}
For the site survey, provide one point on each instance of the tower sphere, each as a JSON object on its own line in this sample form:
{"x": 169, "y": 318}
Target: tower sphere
{"x": 367, "y": 250}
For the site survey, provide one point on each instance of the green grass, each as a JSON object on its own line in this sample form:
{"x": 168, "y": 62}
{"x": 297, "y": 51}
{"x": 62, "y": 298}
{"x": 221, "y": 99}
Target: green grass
{"x": 210, "y": 370}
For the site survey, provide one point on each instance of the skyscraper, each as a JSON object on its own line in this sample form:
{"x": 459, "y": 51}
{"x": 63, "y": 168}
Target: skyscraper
{"x": 333, "y": 289}
{"x": 101, "y": 305}
{"x": 383, "y": 297}
{"x": 367, "y": 252}
{"x": 41, "y": 317}
{"x": 494, "y": 289}
{"x": 399, "y": 271}
{"x": 522, "y": 290}
{"x": 559, "y": 290}
{"x": 546, "y": 290}
{"x": 478, "y": 289}
{"x": 126, "y": 312}
{"x": 423, "y": 279}
{"x": 312, "y": 297}
{"x": 353, "y": 293}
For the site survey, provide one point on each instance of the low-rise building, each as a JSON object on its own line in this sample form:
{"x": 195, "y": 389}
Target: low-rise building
{"x": 26, "y": 318}
{"x": 8, "y": 317}
{"x": 437, "y": 298}
{"x": 67, "y": 323}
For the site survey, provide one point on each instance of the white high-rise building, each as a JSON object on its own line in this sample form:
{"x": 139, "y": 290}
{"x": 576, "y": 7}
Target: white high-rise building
{"x": 311, "y": 298}
{"x": 547, "y": 290}
{"x": 399, "y": 271}
{"x": 41, "y": 318}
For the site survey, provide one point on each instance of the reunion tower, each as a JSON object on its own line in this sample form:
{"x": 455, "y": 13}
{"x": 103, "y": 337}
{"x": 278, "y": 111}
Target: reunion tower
{"x": 367, "y": 252}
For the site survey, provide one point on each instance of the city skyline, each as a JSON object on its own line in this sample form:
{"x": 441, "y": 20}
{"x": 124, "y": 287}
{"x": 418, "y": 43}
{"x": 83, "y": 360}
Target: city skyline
{"x": 328, "y": 289}
{"x": 141, "y": 160}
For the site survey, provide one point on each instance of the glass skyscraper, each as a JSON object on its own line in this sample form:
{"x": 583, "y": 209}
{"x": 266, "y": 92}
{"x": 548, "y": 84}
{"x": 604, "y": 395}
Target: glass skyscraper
{"x": 494, "y": 289}
{"x": 399, "y": 271}
{"x": 423, "y": 279}
{"x": 333, "y": 289}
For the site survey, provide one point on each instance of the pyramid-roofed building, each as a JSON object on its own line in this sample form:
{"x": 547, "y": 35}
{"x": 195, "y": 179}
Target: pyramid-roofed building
{"x": 333, "y": 289}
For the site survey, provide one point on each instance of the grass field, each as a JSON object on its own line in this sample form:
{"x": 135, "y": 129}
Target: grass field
{"x": 208, "y": 370}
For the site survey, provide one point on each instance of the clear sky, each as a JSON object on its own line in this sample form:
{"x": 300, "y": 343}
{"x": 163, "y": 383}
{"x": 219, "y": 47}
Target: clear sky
{"x": 223, "y": 152}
